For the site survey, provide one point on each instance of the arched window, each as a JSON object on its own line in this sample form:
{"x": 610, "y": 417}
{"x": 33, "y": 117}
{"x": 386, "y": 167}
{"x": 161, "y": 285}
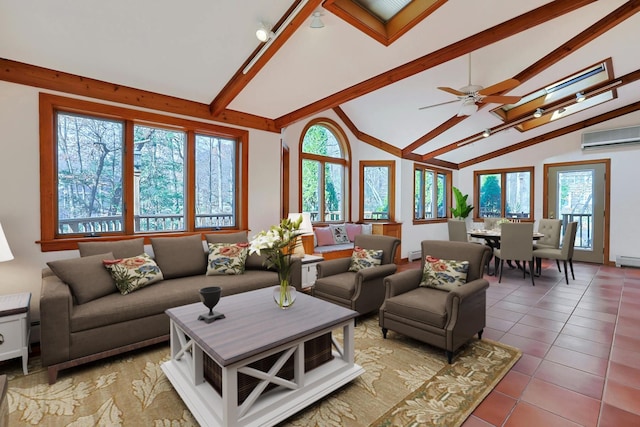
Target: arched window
{"x": 324, "y": 166}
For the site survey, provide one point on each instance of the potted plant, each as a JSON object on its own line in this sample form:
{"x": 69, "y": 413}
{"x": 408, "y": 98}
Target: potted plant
{"x": 462, "y": 209}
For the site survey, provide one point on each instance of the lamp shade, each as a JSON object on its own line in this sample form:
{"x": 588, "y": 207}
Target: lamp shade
{"x": 305, "y": 227}
{"x": 5, "y": 251}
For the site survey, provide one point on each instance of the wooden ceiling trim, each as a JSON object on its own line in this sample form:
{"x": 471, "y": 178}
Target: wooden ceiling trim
{"x": 432, "y": 134}
{"x": 554, "y": 134}
{"x": 31, "y": 75}
{"x": 240, "y": 80}
{"x": 375, "y": 142}
{"x": 591, "y": 33}
{"x": 506, "y": 29}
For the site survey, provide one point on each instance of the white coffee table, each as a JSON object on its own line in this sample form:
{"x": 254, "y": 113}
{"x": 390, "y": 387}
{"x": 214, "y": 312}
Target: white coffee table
{"x": 253, "y": 329}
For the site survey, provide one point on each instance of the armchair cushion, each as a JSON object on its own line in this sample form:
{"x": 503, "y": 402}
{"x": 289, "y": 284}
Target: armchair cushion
{"x": 443, "y": 273}
{"x": 131, "y": 274}
{"x": 341, "y": 285}
{"x": 227, "y": 258}
{"x": 420, "y": 305}
{"x": 365, "y": 258}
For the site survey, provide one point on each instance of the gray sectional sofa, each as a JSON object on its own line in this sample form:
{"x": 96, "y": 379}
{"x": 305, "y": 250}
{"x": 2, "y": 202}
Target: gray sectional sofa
{"x": 85, "y": 318}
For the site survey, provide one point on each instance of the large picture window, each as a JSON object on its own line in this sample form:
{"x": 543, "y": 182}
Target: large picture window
{"x": 325, "y": 172}
{"x": 430, "y": 190}
{"x": 504, "y": 193}
{"x": 109, "y": 171}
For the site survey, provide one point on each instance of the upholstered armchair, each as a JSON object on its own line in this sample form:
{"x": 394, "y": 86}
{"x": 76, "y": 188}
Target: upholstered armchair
{"x": 362, "y": 291}
{"x": 443, "y": 318}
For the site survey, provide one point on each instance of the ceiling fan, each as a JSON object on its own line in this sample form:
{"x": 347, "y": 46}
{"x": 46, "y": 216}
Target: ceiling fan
{"x": 472, "y": 95}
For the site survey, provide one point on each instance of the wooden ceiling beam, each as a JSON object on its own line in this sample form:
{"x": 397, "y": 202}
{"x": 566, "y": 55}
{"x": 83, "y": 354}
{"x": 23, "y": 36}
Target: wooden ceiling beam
{"x": 31, "y": 75}
{"x": 624, "y": 12}
{"x": 494, "y": 34}
{"x": 240, "y": 80}
{"x": 554, "y": 134}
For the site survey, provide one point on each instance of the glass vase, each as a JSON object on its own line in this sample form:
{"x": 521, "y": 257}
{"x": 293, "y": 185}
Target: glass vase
{"x": 284, "y": 296}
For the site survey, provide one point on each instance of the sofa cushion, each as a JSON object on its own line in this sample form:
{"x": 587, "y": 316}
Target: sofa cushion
{"x": 324, "y": 236}
{"x": 253, "y": 261}
{"x": 444, "y": 274}
{"x": 180, "y": 256}
{"x": 119, "y": 248}
{"x": 227, "y": 258}
{"x": 339, "y": 232}
{"x": 131, "y": 274}
{"x": 86, "y": 276}
{"x": 353, "y": 230}
{"x": 365, "y": 258}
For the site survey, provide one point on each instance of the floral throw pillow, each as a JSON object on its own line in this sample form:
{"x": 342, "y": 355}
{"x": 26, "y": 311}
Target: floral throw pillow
{"x": 365, "y": 258}
{"x": 443, "y": 273}
{"x": 227, "y": 258}
{"x": 131, "y": 274}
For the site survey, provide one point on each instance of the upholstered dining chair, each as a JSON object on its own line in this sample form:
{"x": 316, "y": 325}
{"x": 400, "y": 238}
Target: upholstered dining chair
{"x": 444, "y": 318}
{"x": 564, "y": 253}
{"x": 492, "y": 223}
{"x": 551, "y": 229}
{"x": 515, "y": 245}
{"x": 457, "y": 230}
{"x": 362, "y": 291}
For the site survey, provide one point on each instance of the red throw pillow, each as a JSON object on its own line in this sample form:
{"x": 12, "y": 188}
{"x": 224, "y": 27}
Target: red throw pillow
{"x": 324, "y": 236}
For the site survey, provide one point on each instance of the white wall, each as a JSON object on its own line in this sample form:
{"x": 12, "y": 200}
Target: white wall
{"x": 20, "y": 189}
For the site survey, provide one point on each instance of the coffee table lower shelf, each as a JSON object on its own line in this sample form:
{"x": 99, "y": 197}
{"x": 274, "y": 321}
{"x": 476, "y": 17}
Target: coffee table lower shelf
{"x": 185, "y": 372}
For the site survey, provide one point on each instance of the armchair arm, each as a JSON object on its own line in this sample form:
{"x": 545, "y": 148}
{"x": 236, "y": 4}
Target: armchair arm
{"x": 402, "y": 282}
{"x": 333, "y": 266}
{"x": 466, "y": 291}
{"x": 56, "y": 304}
{"x": 375, "y": 272}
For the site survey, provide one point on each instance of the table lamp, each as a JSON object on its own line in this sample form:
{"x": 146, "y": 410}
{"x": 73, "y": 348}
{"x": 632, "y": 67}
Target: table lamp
{"x": 305, "y": 229}
{"x": 5, "y": 251}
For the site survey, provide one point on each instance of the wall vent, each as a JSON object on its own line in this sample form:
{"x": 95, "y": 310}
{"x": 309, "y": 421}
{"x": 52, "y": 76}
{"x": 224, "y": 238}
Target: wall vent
{"x": 414, "y": 256}
{"x": 611, "y": 137}
{"x": 627, "y": 261}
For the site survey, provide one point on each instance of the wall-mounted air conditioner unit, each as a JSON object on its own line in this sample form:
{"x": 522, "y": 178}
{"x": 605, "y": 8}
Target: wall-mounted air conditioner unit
{"x": 611, "y": 137}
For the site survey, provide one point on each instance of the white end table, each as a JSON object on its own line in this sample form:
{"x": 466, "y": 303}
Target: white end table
{"x": 309, "y": 271}
{"x": 15, "y": 327}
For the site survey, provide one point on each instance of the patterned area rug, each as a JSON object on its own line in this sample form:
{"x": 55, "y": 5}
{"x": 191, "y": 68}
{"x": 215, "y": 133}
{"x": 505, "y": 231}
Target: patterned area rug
{"x": 406, "y": 383}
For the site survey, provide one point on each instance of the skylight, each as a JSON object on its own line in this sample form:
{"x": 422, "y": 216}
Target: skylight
{"x": 383, "y": 9}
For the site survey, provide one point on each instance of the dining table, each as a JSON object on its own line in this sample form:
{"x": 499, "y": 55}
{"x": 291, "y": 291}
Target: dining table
{"x": 492, "y": 239}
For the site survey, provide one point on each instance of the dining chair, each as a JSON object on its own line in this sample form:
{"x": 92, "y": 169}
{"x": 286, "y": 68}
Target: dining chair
{"x": 492, "y": 223}
{"x": 515, "y": 245}
{"x": 564, "y": 253}
{"x": 551, "y": 229}
{"x": 457, "y": 230}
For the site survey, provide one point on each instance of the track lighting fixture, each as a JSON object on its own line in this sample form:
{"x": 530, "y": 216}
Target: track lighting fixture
{"x": 486, "y": 133}
{"x": 580, "y": 97}
{"x": 316, "y": 21}
{"x": 263, "y": 33}
{"x": 538, "y": 113}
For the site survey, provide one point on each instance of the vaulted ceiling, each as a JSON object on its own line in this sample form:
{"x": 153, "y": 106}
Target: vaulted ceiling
{"x": 201, "y": 58}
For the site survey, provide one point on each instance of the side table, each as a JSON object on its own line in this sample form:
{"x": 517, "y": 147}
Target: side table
{"x": 15, "y": 327}
{"x": 309, "y": 271}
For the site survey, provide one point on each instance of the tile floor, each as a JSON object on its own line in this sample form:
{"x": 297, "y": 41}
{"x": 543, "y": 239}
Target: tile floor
{"x": 580, "y": 343}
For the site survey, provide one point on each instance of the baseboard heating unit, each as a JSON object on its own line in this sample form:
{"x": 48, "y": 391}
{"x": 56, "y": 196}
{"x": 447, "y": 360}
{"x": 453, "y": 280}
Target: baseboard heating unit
{"x": 416, "y": 255}
{"x": 627, "y": 261}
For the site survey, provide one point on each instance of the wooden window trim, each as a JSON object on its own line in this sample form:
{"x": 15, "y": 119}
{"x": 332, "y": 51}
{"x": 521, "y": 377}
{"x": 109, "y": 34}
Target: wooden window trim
{"x": 50, "y": 104}
{"x": 503, "y": 194}
{"x": 448, "y": 191}
{"x": 391, "y": 164}
{"x": 345, "y": 161}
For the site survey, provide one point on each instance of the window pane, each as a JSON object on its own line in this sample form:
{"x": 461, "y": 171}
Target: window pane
{"x": 428, "y": 194}
{"x": 158, "y": 179}
{"x": 333, "y": 192}
{"x": 518, "y": 194}
{"x": 89, "y": 160}
{"x": 311, "y": 189}
{"x": 320, "y": 140}
{"x": 490, "y": 196}
{"x": 442, "y": 196}
{"x": 215, "y": 182}
{"x": 376, "y": 192}
{"x": 576, "y": 203}
{"x": 418, "y": 196}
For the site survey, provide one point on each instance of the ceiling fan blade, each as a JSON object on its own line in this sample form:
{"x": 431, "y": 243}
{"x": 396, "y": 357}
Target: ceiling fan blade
{"x": 499, "y": 87}
{"x": 452, "y": 91}
{"x": 437, "y": 105}
{"x": 501, "y": 99}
